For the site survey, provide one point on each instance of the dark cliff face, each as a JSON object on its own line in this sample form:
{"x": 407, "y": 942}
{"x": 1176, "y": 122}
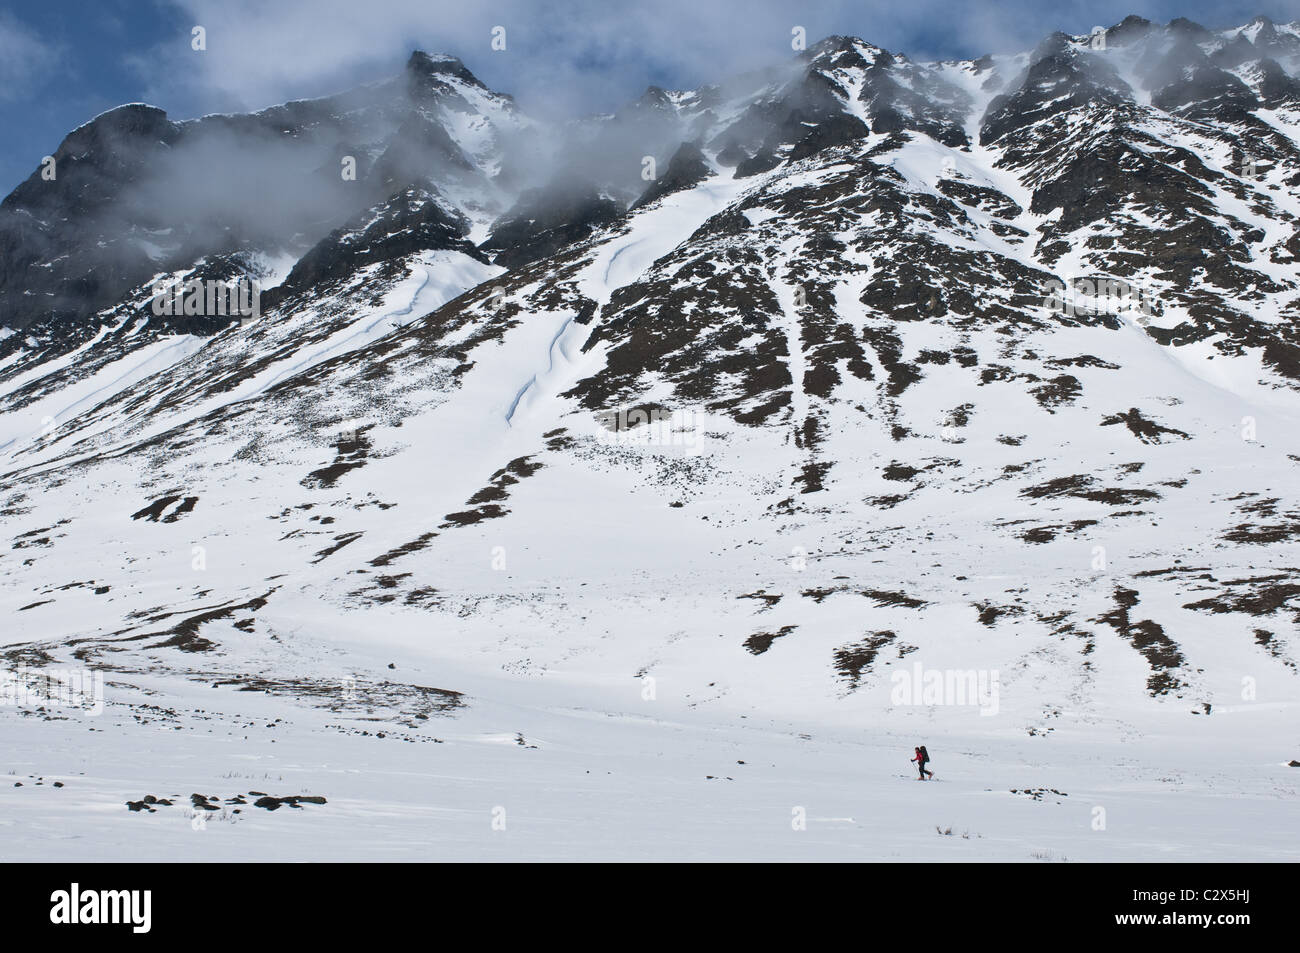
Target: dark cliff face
{"x": 426, "y": 76}
{"x": 545, "y": 221}
{"x": 135, "y": 194}
{"x": 96, "y": 161}
{"x": 1185, "y": 80}
{"x": 52, "y": 265}
{"x": 686, "y": 169}
{"x": 412, "y": 220}
{"x": 1060, "y": 79}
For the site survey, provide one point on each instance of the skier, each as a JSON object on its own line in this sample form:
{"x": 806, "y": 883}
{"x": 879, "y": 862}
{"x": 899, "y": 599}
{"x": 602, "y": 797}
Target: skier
{"x": 922, "y": 756}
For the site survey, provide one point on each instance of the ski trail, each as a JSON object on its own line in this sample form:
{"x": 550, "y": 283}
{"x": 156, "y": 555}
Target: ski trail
{"x": 24, "y": 377}
{"x": 609, "y": 266}
{"x": 800, "y": 406}
{"x": 137, "y": 371}
{"x": 554, "y": 342}
{"x": 514, "y": 404}
{"x": 550, "y": 367}
{"x": 338, "y": 344}
{"x": 179, "y": 345}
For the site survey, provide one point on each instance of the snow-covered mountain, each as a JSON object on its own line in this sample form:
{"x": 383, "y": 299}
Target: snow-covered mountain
{"x": 633, "y": 477}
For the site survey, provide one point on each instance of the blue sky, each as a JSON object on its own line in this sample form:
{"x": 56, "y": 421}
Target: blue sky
{"x": 64, "y": 61}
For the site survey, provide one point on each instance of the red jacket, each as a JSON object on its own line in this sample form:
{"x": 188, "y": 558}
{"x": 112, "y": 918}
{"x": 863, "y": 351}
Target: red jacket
{"x": 918, "y": 755}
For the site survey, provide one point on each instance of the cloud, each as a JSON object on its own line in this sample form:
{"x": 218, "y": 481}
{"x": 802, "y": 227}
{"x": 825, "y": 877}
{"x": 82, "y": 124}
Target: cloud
{"x": 26, "y": 60}
{"x": 259, "y": 53}
{"x": 579, "y": 54}
{"x": 588, "y": 54}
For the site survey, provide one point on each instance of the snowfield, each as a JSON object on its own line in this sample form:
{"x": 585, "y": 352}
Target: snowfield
{"x": 573, "y": 765}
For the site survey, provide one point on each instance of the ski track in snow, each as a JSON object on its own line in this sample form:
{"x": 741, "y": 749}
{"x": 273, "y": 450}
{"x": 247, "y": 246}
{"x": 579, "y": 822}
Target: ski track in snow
{"x": 156, "y": 357}
{"x": 339, "y": 344}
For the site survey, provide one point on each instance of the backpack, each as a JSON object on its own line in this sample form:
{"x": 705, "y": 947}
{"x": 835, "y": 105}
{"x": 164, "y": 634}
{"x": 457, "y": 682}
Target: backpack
{"x": 925, "y": 755}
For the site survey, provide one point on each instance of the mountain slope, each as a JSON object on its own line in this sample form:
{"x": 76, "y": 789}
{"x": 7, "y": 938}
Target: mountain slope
{"x": 982, "y": 367}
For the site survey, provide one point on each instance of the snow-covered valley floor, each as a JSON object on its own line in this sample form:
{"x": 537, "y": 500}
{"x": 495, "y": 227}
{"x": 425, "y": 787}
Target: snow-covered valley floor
{"x": 575, "y": 766}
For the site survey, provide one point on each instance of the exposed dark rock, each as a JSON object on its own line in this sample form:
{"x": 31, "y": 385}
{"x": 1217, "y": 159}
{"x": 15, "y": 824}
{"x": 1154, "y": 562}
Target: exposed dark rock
{"x": 409, "y": 221}
{"x": 686, "y": 169}
{"x": 762, "y": 161}
{"x": 545, "y": 221}
{"x": 837, "y": 131}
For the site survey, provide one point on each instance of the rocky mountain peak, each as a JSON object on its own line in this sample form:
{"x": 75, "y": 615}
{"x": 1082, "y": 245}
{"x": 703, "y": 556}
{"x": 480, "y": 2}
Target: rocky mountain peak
{"x": 422, "y": 67}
